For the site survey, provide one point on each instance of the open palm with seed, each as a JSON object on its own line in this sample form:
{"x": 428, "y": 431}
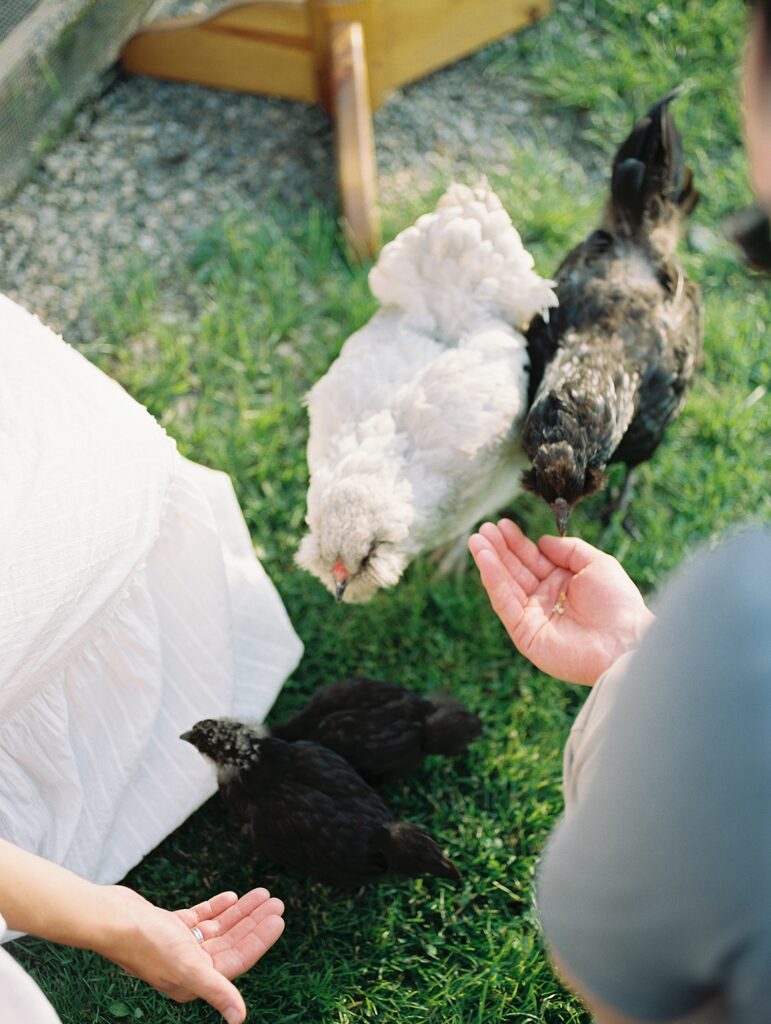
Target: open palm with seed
{"x": 568, "y": 607}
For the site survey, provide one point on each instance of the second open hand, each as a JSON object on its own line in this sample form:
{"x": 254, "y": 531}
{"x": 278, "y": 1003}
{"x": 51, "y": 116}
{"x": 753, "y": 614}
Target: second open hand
{"x": 569, "y": 608}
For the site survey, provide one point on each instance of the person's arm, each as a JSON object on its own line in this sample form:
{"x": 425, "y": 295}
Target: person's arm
{"x": 156, "y": 945}
{"x": 46, "y": 900}
{"x": 574, "y": 612}
{"x": 655, "y": 872}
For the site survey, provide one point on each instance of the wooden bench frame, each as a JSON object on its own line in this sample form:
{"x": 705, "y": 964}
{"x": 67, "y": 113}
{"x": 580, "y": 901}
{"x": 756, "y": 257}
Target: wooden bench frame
{"x": 344, "y": 54}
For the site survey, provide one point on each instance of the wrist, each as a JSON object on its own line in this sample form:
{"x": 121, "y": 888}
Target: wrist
{"x": 640, "y": 627}
{"x": 111, "y": 921}
{"x": 90, "y": 924}
{"x": 630, "y": 635}
{"x": 47, "y": 900}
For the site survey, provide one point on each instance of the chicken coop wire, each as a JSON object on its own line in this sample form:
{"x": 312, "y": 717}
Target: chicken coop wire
{"x": 52, "y": 53}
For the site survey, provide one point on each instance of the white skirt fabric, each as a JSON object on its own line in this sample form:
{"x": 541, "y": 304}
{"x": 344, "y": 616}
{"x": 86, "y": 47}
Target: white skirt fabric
{"x": 131, "y": 605}
{"x": 21, "y": 1001}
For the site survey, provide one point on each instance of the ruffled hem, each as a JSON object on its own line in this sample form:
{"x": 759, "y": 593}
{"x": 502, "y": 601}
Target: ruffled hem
{"x": 92, "y": 772}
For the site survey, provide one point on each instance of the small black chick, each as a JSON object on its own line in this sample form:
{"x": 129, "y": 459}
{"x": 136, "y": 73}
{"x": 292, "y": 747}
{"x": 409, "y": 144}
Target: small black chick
{"x": 383, "y": 730}
{"x": 610, "y": 369}
{"x": 304, "y": 807}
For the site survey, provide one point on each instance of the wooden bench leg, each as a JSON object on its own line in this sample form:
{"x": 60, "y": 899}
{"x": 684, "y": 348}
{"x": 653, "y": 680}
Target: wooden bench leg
{"x": 354, "y": 139}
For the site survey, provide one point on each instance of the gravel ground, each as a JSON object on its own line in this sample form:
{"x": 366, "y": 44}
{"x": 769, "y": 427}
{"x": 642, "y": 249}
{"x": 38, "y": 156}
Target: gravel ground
{"x": 147, "y": 163}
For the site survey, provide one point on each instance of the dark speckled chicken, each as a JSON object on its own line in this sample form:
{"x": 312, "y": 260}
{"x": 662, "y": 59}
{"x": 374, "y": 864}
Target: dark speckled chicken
{"x": 610, "y": 368}
{"x": 383, "y": 730}
{"x": 305, "y": 807}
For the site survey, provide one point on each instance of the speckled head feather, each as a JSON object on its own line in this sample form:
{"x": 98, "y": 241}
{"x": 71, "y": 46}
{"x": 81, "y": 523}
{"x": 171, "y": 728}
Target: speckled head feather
{"x": 561, "y": 472}
{"x": 228, "y": 743}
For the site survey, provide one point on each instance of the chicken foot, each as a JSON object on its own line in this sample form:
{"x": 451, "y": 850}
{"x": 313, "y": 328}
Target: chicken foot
{"x": 451, "y": 558}
{"x": 618, "y": 505}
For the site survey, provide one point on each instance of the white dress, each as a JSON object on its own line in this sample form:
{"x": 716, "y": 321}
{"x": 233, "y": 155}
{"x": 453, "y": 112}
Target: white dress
{"x": 21, "y": 1001}
{"x": 131, "y": 605}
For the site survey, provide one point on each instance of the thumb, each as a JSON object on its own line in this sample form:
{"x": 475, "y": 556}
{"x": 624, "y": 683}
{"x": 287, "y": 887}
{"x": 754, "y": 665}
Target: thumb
{"x": 221, "y": 994}
{"x": 569, "y": 552}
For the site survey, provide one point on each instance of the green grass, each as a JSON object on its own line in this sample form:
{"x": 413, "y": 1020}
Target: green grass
{"x": 276, "y": 300}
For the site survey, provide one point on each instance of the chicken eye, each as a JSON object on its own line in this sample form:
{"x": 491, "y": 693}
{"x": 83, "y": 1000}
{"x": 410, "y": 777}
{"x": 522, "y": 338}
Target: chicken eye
{"x": 369, "y": 554}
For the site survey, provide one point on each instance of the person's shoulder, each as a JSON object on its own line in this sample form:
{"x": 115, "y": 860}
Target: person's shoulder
{"x": 736, "y": 568}
{"x": 753, "y": 540}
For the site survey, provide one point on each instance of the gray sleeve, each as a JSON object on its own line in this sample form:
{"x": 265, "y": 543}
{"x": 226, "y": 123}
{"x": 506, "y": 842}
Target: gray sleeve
{"x": 655, "y": 889}
{"x": 579, "y": 761}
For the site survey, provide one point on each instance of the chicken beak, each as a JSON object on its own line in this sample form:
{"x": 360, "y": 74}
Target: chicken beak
{"x": 561, "y": 511}
{"x": 340, "y": 573}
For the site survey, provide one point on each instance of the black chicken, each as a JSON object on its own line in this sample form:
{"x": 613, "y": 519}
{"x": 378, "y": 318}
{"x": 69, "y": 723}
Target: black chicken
{"x": 383, "y": 730}
{"x": 305, "y": 807}
{"x": 610, "y": 368}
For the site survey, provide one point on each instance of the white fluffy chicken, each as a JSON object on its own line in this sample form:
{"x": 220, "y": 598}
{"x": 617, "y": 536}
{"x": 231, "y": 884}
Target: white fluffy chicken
{"x": 415, "y": 429}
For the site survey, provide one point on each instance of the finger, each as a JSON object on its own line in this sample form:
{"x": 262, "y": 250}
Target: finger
{"x": 569, "y": 552}
{"x": 495, "y": 538}
{"x": 219, "y": 992}
{"x": 248, "y": 903}
{"x": 256, "y": 908}
{"x": 520, "y": 578}
{"x": 252, "y": 946}
{"x": 502, "y": 574}
{"x": 511, "y": 557}
{"x": 208, "y": 909}
{"x": 526, "y": 551}
{"x": 506, "y": 595}
{"x": 271, "y": 908}
{"x": 476, "y": 542}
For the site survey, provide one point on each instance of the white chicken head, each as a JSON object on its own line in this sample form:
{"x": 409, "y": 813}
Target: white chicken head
{"x": 355, "y": 545}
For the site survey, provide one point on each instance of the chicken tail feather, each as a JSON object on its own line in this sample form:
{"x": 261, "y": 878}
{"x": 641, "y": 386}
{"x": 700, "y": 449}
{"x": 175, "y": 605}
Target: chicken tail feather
{"x": 649, "y": 173}
{"x": 463, "y": 260}
{"x": 410, "y": 851}
{"x": 450, "y": 727}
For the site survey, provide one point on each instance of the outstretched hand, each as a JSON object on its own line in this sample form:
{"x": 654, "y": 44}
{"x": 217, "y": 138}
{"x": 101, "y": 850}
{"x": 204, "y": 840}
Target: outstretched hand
{"x": 160, "y": 947}
{"x": 568, "y": 607}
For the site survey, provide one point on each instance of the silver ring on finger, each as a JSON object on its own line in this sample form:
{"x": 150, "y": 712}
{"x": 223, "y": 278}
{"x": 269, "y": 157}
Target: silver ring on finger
{"x": 197, "y": 934}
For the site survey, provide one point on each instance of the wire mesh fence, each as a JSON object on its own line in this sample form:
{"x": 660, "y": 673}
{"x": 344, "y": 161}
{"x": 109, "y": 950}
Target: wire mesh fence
{"x": 12, "y": 12}
{"x": 50, "y": 54}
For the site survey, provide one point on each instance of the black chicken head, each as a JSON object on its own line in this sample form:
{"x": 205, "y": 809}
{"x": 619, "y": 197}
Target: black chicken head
{"x": 561, "y": 477}
{"x": 225, "y": 741}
